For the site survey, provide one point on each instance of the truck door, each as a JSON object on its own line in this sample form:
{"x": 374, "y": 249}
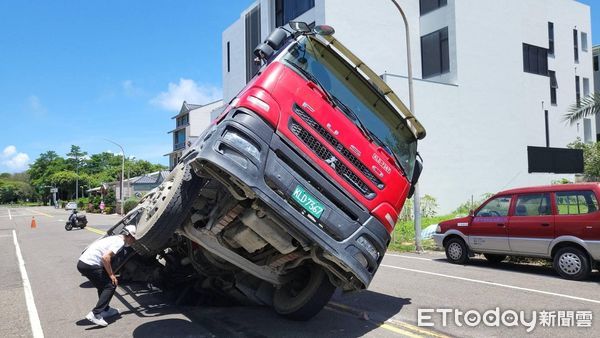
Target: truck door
{"x": 531, "y": 226}
{"x": 488, "y": 229}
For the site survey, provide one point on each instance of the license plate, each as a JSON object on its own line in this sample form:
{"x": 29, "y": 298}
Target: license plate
{"x": 307, "y": 201}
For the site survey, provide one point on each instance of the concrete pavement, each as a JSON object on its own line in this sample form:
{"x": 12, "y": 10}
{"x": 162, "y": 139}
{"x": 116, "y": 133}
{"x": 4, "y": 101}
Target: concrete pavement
{"x": 404, "y": 284}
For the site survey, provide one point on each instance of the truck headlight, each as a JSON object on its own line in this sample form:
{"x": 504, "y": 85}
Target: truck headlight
{"x": 240, "y": 142}
{"x": 365, "y": 243}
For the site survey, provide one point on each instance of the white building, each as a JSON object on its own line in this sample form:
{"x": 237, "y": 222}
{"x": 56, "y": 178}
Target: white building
{"x": 485, "y": 72}
{"x": 189, "y": 124}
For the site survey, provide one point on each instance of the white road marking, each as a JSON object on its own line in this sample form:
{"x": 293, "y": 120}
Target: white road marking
{"x": 34, "y": 318}
{"x": 9, "y": 215}
{"x": 410, "y": 257}
{"x": 495, "y": 284}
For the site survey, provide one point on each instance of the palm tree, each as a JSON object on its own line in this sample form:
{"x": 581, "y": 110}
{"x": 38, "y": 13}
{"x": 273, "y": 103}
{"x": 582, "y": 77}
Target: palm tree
{"x": 586, "y": 107}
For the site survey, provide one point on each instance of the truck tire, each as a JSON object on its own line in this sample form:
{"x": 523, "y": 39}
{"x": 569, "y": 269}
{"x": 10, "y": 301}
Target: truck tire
{"x": 165, "y": 209}
{"x": 303, "y": 297}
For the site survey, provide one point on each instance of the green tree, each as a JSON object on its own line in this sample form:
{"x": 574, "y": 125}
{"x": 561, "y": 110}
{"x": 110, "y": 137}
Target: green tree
{"x": 591, "y": 158}
{"x": 587, "y": 106}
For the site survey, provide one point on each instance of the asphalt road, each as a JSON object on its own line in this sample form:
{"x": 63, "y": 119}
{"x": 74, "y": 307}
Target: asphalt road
{"x": 404, "y": 284}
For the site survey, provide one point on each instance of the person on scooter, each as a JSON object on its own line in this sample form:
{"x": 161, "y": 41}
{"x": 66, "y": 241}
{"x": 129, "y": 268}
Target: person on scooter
{"x": 95, "y": 264}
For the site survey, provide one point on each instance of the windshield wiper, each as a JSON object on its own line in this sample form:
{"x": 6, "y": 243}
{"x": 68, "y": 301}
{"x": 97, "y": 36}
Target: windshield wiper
{"x": 389, "y": 151}
{"x": 312, "y": 79}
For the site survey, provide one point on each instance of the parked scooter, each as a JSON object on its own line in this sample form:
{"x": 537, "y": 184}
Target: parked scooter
{"x": 76, "y": 221}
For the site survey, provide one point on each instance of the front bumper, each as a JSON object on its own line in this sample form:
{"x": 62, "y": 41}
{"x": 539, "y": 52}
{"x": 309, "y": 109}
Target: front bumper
{"x": 439, "y": 240}
{"x": 271, "y": 174}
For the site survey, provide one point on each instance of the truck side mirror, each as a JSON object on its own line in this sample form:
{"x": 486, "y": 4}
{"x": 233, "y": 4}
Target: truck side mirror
{"x": 276, "y": 38}
{"x": 415, "y": 177}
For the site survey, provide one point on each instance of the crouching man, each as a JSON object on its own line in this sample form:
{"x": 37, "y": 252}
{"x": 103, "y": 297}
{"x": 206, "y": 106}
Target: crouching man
{"x": 95, "y": 265}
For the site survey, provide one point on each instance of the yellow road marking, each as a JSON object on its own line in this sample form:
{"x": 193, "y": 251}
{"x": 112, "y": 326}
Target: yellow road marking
{"x": 415, "y": 328}
{"x": 395, "y": 326}
{"x": 98, "y": 231}
{"x": 378, "y": 324}
{"x": 41, "y": 213}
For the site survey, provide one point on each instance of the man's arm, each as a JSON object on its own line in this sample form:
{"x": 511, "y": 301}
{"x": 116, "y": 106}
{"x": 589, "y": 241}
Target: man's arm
{"x": 106, "y": 258}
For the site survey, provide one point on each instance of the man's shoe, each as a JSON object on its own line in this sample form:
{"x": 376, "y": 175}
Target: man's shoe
{"x": 109, "y": 313}
{"x": 96, "y": 319}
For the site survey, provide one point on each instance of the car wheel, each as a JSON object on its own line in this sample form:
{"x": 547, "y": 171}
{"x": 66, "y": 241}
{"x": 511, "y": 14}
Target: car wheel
{"x": 572, "y": 263}
{"x": 305, "y": 295}
{"x": 456, "y": 251}
{"x": 494, "y": 259}
{"x": 165, "y": 209}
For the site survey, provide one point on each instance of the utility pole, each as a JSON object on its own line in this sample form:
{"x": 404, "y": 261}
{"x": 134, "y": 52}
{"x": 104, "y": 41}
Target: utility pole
{"x": 416, "y": 195}
{"x": 122, "y": 171}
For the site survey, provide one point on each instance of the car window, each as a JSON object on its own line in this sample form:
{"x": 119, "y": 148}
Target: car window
{"x": 576, "y": 202}
{"x": 495, "y": 207}
{"x": 533, "y": 205}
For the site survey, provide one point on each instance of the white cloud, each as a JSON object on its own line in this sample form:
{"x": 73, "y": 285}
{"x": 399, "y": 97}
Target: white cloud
{"x": 13, "y": 161}
{"x": 8, "y": 151}
{"x": 130, "y": 89}
{"x": 35, "y": 105}
{"x": 186, "y": 90}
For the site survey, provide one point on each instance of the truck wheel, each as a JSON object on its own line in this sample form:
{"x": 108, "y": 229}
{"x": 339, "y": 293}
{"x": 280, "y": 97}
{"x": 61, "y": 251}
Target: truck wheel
{"x": 572, "y": 263}
{"x": 165, "y": 209}
{"x": 494, "y": 259}
{"x": 304, "y": 296}
{"x": 456, "y": 251}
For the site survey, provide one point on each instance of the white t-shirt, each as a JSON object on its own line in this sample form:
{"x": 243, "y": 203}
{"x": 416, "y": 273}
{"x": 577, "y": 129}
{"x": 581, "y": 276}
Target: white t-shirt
{"x": 93, "y": 254}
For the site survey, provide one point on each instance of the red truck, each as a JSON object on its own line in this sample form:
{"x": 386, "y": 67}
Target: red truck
{"x": 296, "y": 187}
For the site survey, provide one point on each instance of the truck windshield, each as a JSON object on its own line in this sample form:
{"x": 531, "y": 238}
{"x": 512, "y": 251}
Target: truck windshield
{"x": 346, "y": 85}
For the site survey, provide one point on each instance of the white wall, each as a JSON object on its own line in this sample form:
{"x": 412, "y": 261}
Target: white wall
{"x": 201, "y": 118}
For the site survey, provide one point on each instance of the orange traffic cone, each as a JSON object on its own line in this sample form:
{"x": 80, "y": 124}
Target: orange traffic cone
{"x": 33, "y": 223}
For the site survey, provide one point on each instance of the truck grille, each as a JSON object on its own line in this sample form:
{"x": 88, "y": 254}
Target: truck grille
{"x": 323, "y": 153}
{"x": 338, "y": 146}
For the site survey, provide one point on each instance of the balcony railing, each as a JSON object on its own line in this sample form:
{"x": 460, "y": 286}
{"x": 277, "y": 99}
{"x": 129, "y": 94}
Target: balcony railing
{"x": 178, "y": 146}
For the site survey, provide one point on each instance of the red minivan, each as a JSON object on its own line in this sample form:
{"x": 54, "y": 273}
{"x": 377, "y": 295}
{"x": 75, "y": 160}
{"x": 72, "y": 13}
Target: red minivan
{"x": 557, "y": 222}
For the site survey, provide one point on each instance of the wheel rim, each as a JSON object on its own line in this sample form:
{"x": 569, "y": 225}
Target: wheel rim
{"x": 569, "y": 263}
{"x": 455, "y": 251}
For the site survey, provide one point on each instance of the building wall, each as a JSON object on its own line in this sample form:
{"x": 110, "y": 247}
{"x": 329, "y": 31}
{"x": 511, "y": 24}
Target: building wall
{"x": 483, "y": 113}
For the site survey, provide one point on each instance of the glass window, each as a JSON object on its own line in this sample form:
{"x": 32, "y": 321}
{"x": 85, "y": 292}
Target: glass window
{"x": 495, "y": 207}
{"x": 435, "y": 56}
{"x": 577, "y": 92}
{"x": 576, "y": 45}
{"x": 576, "y": 202}
{"x": 288, "y": 10}
{"x": 252, "y": 40}
{"x": 596, "y": 66}
{"x": 533, "y": 205}
{"x": 584, "y": 46}
{"x": 355, "y": 97}
{"x": 553, "y": 86}
{"x": 551, "y": 38}
{"x": 535, "y": 59}
{"x": 427, "y": 6}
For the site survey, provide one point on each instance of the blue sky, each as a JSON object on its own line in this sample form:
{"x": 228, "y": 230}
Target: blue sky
{"x": 77, "y": 72}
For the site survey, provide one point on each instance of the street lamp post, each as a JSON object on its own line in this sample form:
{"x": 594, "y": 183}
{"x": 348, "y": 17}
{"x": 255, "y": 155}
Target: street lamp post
{"x": 122, "y": 170}
{"x": 416, "y": 195}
